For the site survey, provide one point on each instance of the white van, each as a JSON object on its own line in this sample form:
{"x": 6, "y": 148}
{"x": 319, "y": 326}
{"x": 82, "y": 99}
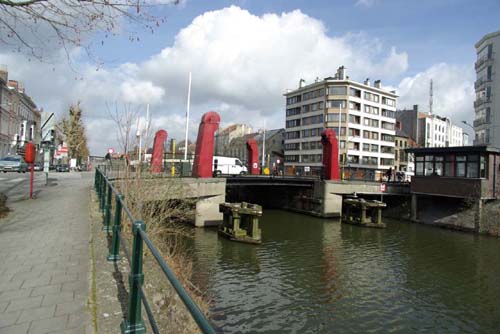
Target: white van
{"x": 228, "y": 166}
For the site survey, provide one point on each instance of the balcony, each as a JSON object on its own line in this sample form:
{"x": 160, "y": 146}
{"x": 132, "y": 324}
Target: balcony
{"x": 483, "y": 61}
{"x": 481, "y": 121}
{"x": 481, "y": 81}
{"x": 481, "y": 100}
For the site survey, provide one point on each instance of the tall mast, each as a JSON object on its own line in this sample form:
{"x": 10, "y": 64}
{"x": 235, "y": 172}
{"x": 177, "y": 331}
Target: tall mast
{"x": 187, "y": 119}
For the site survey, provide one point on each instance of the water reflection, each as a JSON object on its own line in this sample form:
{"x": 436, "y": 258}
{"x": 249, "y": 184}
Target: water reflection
{"x": 312, "y": 275}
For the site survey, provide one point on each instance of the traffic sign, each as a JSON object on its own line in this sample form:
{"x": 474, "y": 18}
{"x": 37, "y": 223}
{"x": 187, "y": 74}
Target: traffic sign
{"x": 382, "y": 187}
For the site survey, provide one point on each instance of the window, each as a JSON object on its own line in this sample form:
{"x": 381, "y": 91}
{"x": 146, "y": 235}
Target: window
{"x": 342, "y": 90}
{"x": 354, "y": 92}
{"x": 334, "y": 117}
{"x": 366, "y": 147}
{"x": 473, "y": 165}
{"x": 482, "y": 166}
{"x": 388, "y": 101}
{"x": 460, "y": 165}
{"x": 374, "y": 148}
{"x": 293, "y": 100}
{"x": 293, "y": 111}
{"x": 336, "y": 104}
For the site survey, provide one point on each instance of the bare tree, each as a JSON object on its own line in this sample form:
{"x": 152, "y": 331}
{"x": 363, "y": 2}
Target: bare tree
{"x": 33, "y": 26}
{"x": 124, "y": 117}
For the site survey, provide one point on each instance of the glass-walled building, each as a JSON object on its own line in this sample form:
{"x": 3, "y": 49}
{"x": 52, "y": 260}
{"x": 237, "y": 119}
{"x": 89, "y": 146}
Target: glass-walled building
{"x": 465, "y": 171}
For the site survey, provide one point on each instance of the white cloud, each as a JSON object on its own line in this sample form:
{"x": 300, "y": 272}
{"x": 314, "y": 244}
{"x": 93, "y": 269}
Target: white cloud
{"x": 366, "y": 3}
{"x": 241, "y": 65}
{"x": 453, "y": 91}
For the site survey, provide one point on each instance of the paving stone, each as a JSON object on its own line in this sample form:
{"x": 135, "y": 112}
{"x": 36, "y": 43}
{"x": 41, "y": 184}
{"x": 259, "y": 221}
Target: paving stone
{"x": 10, "y": 285}
{"x": 77, "y": 320}
{"x": 45, "y": 247}
{"x": 15, "y": 294}
{"x": 64, "y": 278}
{"x": 52, "y": 289}
{"x": 74, "y": 307}
{"x": 79, "y": 287}
{"x": 26, "y": 275}
{"x": 62, "y": 297}
{"x": 49, "y": 325}
{"x": 24, "y": 303}
{"x": 35, "y": 282}
{"x": 16, "y": 329}
{"x": 8, "y": 319}
{"x": 37, "y": 314}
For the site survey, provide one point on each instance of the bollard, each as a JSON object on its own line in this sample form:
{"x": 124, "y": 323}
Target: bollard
{"x": 107, "y": 209}
{"x": 134, "y": 323}
{"x": 114, "y": 252}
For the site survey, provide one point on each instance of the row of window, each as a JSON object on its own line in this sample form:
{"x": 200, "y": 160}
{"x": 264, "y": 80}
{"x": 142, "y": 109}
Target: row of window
{"x": 351, "y": 159}
{"x": 451, "y": 165}
{"x": 316, "y": 132}
{"x": 340, "y": 90}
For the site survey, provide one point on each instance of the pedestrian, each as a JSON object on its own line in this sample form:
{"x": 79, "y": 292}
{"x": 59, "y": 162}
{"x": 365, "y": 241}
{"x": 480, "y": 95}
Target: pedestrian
{"x": 389, "y": 174}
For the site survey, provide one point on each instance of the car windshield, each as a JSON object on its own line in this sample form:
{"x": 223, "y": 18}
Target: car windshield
{"x": 11, "y": 159}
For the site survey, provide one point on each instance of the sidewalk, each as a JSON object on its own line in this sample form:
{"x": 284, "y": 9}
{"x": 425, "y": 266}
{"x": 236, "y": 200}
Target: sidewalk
{"x": 45, "y": 259}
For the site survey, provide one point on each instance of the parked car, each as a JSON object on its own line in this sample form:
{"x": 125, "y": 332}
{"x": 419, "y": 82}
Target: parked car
{"x": 38, "y": 166}
{"x": 62, "y": 168}
{"x": 13, "y": 163}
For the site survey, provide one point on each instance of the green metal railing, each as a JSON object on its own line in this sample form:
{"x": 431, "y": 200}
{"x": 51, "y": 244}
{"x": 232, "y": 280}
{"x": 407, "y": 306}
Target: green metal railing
{"x": 133, "y": 322}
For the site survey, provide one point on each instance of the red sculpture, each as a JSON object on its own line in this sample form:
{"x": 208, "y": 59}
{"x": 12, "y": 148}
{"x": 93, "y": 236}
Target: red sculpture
{"x": 330, "y": 155}
{"x": 157, "y": 158}
{"x": 253, "y": 157}
{"x": 202, "y": 166}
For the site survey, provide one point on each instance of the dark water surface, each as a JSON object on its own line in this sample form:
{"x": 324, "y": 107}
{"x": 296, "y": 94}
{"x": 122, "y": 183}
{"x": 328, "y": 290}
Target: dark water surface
{"x": 319, "y": 276}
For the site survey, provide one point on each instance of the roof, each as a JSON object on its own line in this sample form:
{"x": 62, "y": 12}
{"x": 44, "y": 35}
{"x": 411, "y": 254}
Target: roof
{"x": 401, "y": 133}
{"x": 454, "y": 149}
{"x": 330, "y": 80}
{"x": 487, "y": 36}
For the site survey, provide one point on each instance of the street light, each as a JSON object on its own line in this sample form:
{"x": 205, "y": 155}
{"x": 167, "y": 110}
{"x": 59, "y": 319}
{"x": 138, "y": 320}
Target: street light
{"x": 465, "y": 122}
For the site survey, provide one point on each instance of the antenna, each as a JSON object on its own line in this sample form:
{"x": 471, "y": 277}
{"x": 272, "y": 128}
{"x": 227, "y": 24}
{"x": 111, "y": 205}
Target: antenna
{"x": 430, "y": 98}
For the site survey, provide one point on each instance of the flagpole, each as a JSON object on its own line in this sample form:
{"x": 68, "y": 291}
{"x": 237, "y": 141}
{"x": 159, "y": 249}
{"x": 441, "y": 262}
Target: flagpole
{"x": 187, "y": 119}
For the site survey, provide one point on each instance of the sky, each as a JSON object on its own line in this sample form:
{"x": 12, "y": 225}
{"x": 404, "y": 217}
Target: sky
{"x": 245, "y": 54}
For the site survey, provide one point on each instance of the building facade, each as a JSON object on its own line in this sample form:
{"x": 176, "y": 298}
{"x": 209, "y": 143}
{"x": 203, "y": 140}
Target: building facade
{"x": 273, "y": 149}
{"x": 429, "y": 130}
{"x": 362, "y": 115}
{"x": 487, "y": 85}
{"x": 224, "y": 137}
{"x": 20, "y": 120}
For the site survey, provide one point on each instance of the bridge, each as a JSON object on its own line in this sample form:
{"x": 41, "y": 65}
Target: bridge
{"x": 313, "y": 196}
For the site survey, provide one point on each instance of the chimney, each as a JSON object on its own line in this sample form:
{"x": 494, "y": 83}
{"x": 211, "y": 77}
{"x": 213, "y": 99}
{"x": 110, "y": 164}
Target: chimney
{"x": 367, "y": 82}
{"x": 302, "y": 83}
{"x": 415, "y": 107}
{"x": 341, "y": 73}
{"x": 377, "y": 84}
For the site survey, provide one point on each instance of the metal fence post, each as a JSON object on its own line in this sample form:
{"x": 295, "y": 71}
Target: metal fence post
{"x": 134, "y": 323}
{"x": 103, "y": 194}
{"x": 98, "y": 184}
{"x": 114, "y": 252}
{"x": 107, "y": 209}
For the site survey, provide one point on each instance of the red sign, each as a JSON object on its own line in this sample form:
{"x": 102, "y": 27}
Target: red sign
{"x": 63, "y": 149}
{"x": 382, "y": 187}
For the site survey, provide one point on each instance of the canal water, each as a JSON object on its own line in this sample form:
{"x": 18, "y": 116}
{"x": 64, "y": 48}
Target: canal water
{"x": 313, "y": 275}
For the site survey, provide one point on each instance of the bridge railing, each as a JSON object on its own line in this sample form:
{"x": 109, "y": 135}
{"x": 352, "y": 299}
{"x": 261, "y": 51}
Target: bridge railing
{"x": 133, "y": 322}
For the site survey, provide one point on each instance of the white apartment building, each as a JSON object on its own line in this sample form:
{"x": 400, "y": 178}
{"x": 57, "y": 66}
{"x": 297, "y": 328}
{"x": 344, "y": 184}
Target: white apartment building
{"x": 437, "y": 131}
{"x": 362, "y": 115}
{"x": 487, "y": 85}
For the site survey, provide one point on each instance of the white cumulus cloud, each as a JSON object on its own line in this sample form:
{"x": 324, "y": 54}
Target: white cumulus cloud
{"x": 241, "y": 65}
